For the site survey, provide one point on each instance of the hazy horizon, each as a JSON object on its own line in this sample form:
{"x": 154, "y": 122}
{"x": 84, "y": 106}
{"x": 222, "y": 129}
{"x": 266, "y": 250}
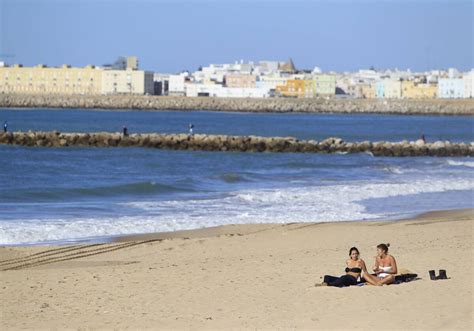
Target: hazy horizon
{"x": 171, "y": 36}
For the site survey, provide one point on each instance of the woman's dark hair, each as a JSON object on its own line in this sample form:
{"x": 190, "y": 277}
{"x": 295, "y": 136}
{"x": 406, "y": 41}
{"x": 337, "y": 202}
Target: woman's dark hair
{"x": 384, "y": 247}
{"x": 353, "y": 249}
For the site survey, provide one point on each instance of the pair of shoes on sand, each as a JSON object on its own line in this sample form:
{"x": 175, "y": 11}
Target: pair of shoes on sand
{"x": 442, "y": 275}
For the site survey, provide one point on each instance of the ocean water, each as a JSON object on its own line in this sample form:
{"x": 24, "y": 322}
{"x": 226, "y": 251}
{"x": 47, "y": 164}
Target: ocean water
{"x": 54, "y": 195}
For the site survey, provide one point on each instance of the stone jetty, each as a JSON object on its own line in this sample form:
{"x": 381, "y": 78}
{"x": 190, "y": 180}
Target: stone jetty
{"x": 277, "y": 105}
{"x": 225, "y": 143}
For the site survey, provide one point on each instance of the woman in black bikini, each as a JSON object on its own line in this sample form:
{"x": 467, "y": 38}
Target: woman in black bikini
{"x": 354, "y": 268}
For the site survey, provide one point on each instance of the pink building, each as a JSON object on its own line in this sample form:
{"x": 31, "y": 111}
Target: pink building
{"x": 240, "y": 80}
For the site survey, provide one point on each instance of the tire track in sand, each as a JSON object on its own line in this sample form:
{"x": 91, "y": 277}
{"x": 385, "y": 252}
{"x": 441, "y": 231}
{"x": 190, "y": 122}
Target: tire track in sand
{"x": 67, "y": 254}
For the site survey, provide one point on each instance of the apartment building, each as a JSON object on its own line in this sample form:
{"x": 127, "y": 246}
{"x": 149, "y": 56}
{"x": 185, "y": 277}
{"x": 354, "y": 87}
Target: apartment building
{"x": 388, "y": 88}
{"x": 45, "y": 80}
{"x": 89, "y": 80}
{"x": 469, "y": 84}
{"x": 127, "y": 82}
{"x": 240, "y": 80}
{"x": 362, "y": 90}
{"x": 293, "y": 88}
{"x": 325, "y": 84}
{"x": 451, "y": 88}
{"x": 176, "y": 84}
{"x": 413, "y": 90}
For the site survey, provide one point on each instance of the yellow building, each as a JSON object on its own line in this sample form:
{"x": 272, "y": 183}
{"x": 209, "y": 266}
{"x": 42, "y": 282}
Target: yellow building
{"x": 132, "y": 62}
{"x": 362, "y": 90}
{"x": 368, "y": 91}
{"x": 127, "y": 82}
{"x": 67, "y": 80}
{"x": 292, "y": 88}
{"x": 310, "y": 88}
{"x": 320, "y": 85}
{"x": 411, "y": 90}
{"x": 44, "y": 80}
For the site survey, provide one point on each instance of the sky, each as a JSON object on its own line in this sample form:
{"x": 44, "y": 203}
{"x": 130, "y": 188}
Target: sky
{"x": 172, "y": 36}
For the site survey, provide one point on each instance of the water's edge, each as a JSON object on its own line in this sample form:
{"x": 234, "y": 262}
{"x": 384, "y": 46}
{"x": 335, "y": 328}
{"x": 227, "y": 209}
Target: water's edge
{"x": 203, "y": 231}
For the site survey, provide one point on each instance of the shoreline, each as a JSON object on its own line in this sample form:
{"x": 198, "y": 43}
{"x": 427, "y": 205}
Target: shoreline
{"x": 260, "y": 105}
{"x": 240, "y": 112}
{"x": 229, "y": 229}
{"x": 257, "y": 276}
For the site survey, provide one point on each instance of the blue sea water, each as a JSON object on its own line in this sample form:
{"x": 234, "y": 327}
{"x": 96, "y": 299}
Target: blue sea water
{"x": 74, "y": 194}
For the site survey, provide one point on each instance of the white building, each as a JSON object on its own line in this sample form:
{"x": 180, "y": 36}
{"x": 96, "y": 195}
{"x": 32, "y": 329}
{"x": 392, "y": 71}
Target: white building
{"x": 266, "y": 67}
{"x": 242, "y": 92}
{"x": 392, "y": 89}
{"x": 217, "y": 90}
{"x": 216, "y": 72}
{"x": 454, "y": 73}
{"x": 176, "y": 84}
{"x": 368, "y": 75}
{"x": 271, "y": 82}
{"x": 450, "y": 88}
{"x": 396, "y": 74}
{"x": 206, "y": 90}
{"x": 468, "y": 79}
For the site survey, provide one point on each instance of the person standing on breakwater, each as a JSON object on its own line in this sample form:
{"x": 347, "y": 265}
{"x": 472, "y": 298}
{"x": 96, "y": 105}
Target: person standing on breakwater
{"x": 191, "y": 130}
{"x": 5, "y": 127}
{"x": 125, "y": 131}
{"x": 423, "y": 138}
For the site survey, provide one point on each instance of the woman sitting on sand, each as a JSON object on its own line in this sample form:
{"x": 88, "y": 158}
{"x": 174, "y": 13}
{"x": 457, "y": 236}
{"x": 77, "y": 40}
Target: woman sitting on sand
{"x": 354, "y": 268}
{"x": 385, "y": 266}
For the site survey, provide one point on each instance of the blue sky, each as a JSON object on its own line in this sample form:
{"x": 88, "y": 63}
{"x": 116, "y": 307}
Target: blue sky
{"x": 170, "y": 36}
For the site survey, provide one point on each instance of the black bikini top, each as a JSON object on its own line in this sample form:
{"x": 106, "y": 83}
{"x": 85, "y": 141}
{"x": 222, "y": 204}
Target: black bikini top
{"x": 355, "y": 270}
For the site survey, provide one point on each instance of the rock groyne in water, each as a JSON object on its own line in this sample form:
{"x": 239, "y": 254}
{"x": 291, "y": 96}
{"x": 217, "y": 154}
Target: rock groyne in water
{"x": 278, "y": 105}
{"x": 236, "y": 143}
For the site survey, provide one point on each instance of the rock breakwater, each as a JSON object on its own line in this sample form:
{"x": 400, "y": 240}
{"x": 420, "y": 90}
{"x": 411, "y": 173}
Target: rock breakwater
{"x": 319, "y": 105}
{"x": 236, "y": 143}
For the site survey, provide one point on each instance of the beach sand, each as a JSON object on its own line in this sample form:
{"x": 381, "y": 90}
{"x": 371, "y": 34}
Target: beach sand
{"x": 244, "y": 277}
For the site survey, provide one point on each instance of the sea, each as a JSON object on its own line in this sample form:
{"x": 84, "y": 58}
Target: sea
{"x": 77, "y": 195}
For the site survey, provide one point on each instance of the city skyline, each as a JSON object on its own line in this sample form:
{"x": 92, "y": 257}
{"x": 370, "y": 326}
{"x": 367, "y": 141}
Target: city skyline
{"x": 183, "y": 35}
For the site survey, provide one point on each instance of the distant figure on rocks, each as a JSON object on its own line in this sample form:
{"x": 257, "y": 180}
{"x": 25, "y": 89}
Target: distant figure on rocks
{"x": 5, "y": 127}
{"x": 423, "y": 138}
{"x": 125, "y": 131}
{"x": 191, "y": 130}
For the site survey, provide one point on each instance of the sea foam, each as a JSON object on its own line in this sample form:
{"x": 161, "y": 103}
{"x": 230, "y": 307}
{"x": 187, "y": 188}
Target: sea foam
{"x": 327, "y": 203}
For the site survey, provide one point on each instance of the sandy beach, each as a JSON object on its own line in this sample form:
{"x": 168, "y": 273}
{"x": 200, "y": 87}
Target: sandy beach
{"x": 244, "y": 277}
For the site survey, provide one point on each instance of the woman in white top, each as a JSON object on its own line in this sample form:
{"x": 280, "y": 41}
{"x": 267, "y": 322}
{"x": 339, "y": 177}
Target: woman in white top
{"x": 385, "y": 265}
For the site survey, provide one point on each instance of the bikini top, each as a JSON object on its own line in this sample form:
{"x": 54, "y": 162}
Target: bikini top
{"x": 354, "y": 270}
